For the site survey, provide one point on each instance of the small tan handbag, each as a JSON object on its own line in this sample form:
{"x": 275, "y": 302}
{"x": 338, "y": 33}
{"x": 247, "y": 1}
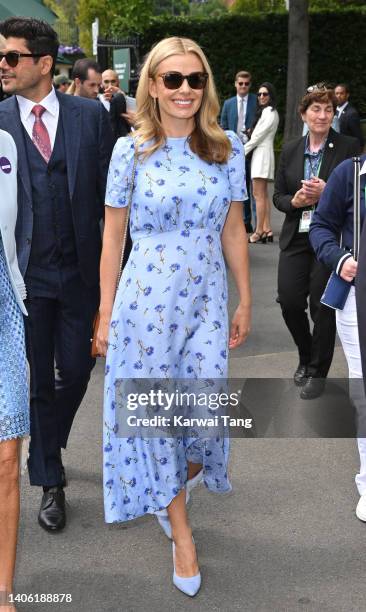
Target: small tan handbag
{"x": 94, "y": 351}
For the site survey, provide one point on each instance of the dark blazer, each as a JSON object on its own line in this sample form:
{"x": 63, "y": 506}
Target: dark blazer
{"x": 291, "y": 171}
{"x": 333, "y": 217}
{"x": 229, "y": 114}
{"x": 88, "y": 144}
{"x": 349, "y": 123}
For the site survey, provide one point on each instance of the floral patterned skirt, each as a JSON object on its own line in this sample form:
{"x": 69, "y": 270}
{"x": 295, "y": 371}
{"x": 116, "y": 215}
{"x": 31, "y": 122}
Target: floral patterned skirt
{"x": 14, "y": 398}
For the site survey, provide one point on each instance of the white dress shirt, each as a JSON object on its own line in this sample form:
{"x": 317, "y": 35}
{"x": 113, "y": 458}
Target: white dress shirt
{"x": 340, "y": 109}
{"x": 245, "y": 102}
{"x": 49, "y": 117}
{"x": 106, "y": 103}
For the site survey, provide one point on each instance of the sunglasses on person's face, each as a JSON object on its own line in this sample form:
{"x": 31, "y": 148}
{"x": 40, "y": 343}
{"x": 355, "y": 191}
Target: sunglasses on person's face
{"x": 262, "y": 94}
{"x": 242, "y": 83}
{"x": 174, "y": 80}
{"x": 12, "y": 57}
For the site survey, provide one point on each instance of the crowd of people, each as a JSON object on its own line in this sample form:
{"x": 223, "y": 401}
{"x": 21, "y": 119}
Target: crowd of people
{"x": 189, "y": 188}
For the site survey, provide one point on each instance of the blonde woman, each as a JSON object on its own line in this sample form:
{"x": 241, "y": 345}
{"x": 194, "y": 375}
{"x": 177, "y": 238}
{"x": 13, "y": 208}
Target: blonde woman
{"x": 169, "y": 317}
{"x": 14, "y": 400}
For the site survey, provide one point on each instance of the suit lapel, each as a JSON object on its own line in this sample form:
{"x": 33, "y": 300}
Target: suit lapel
{"x": 330, "y": 151}
{"x": 70, "y": 114}
{"x": 235, "y": 113}
{"x": 299, "y": 163}
{"x": 14, "y": 126}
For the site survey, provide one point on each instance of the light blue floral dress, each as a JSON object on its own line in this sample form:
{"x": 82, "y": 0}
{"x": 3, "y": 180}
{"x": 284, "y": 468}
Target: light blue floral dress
{"x": 14, "y": 399}
{"x": 170, "y": 313}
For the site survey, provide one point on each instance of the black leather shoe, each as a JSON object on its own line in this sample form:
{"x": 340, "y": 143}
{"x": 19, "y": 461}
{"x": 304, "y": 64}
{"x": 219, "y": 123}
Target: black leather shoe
{"x": 52, "y": 513}
{"x": 313, "y": 388}
{"x": 301, "y": 375}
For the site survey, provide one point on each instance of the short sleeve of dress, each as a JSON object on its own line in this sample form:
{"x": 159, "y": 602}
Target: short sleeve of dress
{"x": 120, "y": 173}
{"x": 236, "y": 169}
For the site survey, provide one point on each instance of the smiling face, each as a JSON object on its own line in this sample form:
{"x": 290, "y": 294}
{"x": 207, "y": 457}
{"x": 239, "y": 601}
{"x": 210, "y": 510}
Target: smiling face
{"x": 263, "y": 96}
{"x": 319, "y": 117}
{"x": 177, "y": 107}
{"x": 31, "y": 77}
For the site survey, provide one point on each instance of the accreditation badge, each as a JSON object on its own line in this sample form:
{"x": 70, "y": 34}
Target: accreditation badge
{"x": 305, "y": 221}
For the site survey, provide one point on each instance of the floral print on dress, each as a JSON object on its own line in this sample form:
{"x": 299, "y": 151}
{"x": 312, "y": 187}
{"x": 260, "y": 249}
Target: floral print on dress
{"x": 169, "y": 318}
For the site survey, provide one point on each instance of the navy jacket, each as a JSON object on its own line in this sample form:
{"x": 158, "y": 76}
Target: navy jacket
{"x": 88, "y": 144}
{"x": 333, "y": 218}
{"x": 229, "y": 114}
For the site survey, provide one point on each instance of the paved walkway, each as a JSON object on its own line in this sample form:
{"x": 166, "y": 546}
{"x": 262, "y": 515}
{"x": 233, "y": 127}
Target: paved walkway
{"x": 286, "y": 539}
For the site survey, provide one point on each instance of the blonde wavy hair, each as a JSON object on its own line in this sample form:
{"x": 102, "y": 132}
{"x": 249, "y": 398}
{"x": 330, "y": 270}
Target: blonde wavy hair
{"x": 207, "y": 140}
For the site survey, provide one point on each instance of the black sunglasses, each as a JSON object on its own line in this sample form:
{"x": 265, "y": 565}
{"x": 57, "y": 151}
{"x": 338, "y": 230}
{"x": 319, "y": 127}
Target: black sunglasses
{"x": 174, "y": 80}
{"x": 12, "y": 57}
{"x": 262, "y": 93}
{"x": 241, "y": 83}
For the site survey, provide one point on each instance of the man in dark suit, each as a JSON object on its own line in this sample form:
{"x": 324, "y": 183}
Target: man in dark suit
{"x": 348, "y": 117}
{"x": 64, "y": 145}
{"x": 238, "y": 114}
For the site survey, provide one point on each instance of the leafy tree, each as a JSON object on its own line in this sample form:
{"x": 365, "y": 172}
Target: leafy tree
{"x": 171, "y": 7}
{"x": 115, "y": 16}
{"x": 210, "y": 8}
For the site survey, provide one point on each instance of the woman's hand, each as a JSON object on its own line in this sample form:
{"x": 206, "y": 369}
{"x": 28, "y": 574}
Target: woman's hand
{"x": 349, "y": 270}
{"x": 301, "y": 200}
{"x": 102, "y": 335}
{"x": 240, "y": 326}
{"x": 313, "y": 188}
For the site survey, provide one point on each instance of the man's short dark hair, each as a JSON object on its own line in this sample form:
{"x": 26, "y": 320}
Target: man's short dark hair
{"x": 39, "y": 36}
{"x": 344, "y": 86}
{"x": 81, "y": 67}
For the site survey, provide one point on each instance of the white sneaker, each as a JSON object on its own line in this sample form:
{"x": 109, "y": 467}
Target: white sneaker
{"x": 361, "y": 508}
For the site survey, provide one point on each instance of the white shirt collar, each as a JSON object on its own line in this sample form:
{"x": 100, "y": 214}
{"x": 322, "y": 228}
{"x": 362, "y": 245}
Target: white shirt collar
{"x": 340, "y": 109}
{"x": 50, "y": 102}
{"x": 363, "y": 169}
{"x": 239, "y": 98}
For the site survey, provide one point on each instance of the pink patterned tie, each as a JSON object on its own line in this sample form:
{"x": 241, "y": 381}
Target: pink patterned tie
{"x": 40, "y": 135}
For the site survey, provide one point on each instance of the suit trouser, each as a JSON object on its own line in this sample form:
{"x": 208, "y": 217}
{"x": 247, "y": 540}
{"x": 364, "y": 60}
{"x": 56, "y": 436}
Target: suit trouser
{"x": 347, "y": 329}
{"x": 301, "y": 278}
{"x": 58, "y": 332}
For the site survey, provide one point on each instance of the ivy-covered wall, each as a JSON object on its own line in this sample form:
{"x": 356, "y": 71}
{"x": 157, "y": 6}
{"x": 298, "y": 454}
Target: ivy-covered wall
{"x": 259, "y": 44}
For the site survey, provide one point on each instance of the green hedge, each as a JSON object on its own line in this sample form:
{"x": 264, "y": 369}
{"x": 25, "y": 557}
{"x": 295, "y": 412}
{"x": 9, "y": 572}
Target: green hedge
{"x": 259, "y": 44}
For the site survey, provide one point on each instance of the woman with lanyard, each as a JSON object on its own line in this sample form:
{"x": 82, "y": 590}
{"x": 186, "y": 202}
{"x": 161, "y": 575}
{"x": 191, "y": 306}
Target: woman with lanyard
{"x": 304, "y": 167}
